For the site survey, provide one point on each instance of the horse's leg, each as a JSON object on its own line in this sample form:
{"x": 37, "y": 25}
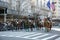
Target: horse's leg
{"x": 50, "y": 27}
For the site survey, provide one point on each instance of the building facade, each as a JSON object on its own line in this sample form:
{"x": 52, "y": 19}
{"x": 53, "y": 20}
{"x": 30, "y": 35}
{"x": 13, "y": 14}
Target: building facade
{"x": 11, "y": 8}
{"x": 25, "y": 7}
{"x": 57, "y": 8}
{"x": 7, "y": 11}
{"x": 56, "y": 13}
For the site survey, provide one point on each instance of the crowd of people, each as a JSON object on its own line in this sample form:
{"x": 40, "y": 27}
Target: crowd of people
{"x": 26, "y": 24}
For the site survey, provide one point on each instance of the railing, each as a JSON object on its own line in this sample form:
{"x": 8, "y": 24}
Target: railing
{"x": 4, "y": 4}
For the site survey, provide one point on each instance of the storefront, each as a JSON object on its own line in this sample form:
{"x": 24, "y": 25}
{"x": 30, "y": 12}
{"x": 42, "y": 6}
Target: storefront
{"x": 6, "y": 13}
{"x": 3, "y": 12}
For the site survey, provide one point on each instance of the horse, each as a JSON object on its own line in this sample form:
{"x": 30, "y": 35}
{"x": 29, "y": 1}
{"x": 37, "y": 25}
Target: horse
{"x": 47, "y": 24}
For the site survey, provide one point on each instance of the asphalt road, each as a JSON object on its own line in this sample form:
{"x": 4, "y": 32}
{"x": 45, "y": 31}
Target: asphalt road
{"x": 34, "y": 35}
{"x": 9, "y": 35}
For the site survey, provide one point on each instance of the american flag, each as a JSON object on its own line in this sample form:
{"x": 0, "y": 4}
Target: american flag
{"x": 52, "y": 6}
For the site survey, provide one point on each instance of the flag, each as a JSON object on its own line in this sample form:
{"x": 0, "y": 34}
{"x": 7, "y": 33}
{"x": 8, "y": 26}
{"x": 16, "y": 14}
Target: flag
{"x": 53, "y": 6}
{"x": 48, "y": 4}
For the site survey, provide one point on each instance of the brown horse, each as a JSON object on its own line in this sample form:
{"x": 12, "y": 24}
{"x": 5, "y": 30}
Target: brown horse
{"x": 50, "y": 25}
{"x": 18, "y": 25}
{"x": 47, "y": 24}
{"x": 40, "y": 25}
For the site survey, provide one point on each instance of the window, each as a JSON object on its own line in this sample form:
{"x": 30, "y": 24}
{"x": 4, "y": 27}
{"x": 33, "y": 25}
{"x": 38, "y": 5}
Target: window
{"x": 59, "y": 2}
{"x": 59, "y": 6}
{"x": 13, "y": 4}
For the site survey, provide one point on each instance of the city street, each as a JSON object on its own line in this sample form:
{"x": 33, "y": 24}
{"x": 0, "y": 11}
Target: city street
{"x": 29, "y": 19}
{"x": 54, "y": 34}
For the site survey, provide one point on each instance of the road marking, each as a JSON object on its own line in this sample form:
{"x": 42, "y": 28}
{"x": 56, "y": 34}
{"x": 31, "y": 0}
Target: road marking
{"x": 28, "y": 34}
{"x": 40, "y": 36}
{"x": 9, "y": 36}
{"x": 58, "y": 38}
{"x": 50, "y": 37}
{"x": 32, "y": 35}
{"x": 17, "y": 36}
{"x": 3, "y": 35}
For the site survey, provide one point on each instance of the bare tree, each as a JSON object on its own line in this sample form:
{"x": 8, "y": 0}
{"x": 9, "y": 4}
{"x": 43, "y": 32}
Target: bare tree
{"x": 18, "y": 7}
